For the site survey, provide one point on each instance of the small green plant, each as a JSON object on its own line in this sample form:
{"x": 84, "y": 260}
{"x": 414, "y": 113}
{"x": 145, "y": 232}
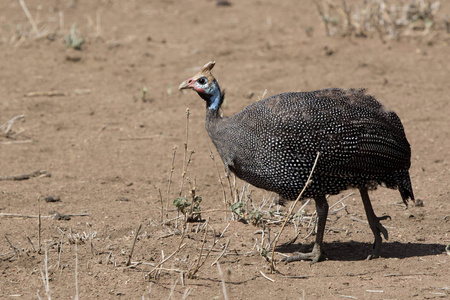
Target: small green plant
{"x": 256, "y": 217}
{"x": 182, "y": 204}
{"x": 238, "y": 208}
{"x": 144, "y": 92}
{"x": 190, "y": 208}
{"x": 72, "y": 40}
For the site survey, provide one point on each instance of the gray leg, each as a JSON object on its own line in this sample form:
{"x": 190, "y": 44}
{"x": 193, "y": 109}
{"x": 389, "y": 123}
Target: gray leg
{"x": 374, "y": 223}
{"x": 317, "y": 252}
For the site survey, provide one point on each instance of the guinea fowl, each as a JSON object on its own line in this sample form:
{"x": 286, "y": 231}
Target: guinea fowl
{"x": 272, "y": 144}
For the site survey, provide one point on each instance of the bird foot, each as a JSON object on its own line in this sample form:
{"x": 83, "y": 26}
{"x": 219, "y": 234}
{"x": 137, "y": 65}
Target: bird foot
{"x": 381, "y": 228}
{"x": 378, "y": 229}
{"x": 315, "y": 256}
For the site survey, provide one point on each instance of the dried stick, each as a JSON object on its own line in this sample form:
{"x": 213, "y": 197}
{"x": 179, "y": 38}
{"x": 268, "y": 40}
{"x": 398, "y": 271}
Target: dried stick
{"x": 16, "y": 250}
{"x": 76, "y": 270}
{"x": 266, "y": 277}
{"x": 199, "y": 265}
{"x": 221, "y": 254}
{"x": 185, "y": 161}
{"x": 30, "y": 18}
{"x": 37, "y": 173}
{"x": 39, "y": 225}
{"x": 220, "y": 179}
{"x": 162, "y": 205}
{"x": 366, "y": 222}
{"x": 178, "y": 249}
{"x": 31, "y": 242}
{"x": 224, "y": 287}
{"x": 16, "y": 142}
{"x": 34, "y": 216}
{"x": 172, "y": 168}
{"x": 91, "y": 243}
{"x": 59, "y": 255}
{"x": 10, "y": 123}
{"x": 47, "y": 94}
{"x": 342, "y": 199}
{"x": 134, "y": 243}
{"x": 166, "y": 259}
{"x": 172, "y": 289}
{"x": 308, "y": 182}
{"x": 46, "y": 282}
{"x": 298, "y": 233}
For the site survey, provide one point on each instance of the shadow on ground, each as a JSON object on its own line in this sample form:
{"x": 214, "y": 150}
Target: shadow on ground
{"x": 354, "y": 251}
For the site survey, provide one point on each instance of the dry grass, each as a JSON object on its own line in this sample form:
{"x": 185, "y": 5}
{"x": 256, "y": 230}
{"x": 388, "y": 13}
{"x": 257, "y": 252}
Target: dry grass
{"x": 394, "y": 19}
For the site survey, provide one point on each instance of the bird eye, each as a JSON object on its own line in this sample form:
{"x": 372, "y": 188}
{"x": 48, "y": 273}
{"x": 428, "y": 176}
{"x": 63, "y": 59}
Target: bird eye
{"x": 202, "y": 80}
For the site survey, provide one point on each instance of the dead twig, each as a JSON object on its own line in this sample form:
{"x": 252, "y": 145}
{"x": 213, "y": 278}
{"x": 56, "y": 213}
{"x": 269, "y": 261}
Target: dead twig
{"x": 186, "y": 161}
{"x": 410, "y": 274}
{"x": 7, "y": 126}
{"x": 38, "y": 216}
{"x": 308, "y": 182}
{"x": 31, "y": 242}
{"x": 365, "y": 222}
{"x": 39, "y": 226}
{"x": 172, "y": 168}
{"x": 38, "y": 173}
{"x": 16, "y": 142}
{"x": 199, "y": 265}
{"x": 16, "y": 250}
{"x": 45, "y": 280}
{"x": 134, "y": 243}
{"x": 166, "y": 259}
{"x": 266, "y": 277}
{"x": 222, "y": 280}
{"x": 220, "y": 180}
{"x": 30, "y": 19}
{"x": 221, "y": 254}
{"x": 76, "y": 271}
{"x": 46, "y": 94}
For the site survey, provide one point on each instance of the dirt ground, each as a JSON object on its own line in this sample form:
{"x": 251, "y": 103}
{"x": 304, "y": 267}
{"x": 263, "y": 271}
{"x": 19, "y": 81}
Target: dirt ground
{"x": 109, "y": 149}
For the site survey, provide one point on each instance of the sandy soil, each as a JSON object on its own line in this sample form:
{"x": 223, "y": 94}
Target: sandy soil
{"x": 109, "y": 151}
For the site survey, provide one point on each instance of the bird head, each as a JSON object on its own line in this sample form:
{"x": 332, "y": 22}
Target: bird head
{"x": 206, "y": 86}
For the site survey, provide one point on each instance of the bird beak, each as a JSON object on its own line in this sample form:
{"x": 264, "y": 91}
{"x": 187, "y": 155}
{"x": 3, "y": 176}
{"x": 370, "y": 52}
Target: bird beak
{"x": 187, "y": 84}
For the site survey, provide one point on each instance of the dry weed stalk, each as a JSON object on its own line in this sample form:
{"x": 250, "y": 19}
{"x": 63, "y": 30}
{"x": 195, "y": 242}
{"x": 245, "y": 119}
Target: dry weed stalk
{"x": 308, "y": 182}
{"x": 134, "y": 243}
{"x": 222, "y": 280}
{"x": 172, "y": 168}
{"x": 186, "y": 161}
{"x": 45, "y": 280}
{"x": 76, "y": 271}
{"x": 5, "y": 129}
{"x": 393, "y": 19}
{"x": 36, "y": 31}
{"x": 15, "y": 249}
{"x": 39, "y": 224}
{"x": 191, "y": 272}
{"x": 220, "y": 180}
{"x": 163, "y": 260}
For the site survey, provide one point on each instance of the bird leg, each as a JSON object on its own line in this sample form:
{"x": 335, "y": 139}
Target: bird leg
{"x": 374, "y": 223}
{"x": 317, "y": 253}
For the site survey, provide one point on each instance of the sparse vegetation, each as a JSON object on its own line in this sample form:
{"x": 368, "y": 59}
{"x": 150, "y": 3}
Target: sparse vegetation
{"x": 71, "y": 131}
{"x": 389, "y": 19}
{"x": 72, "y": 39}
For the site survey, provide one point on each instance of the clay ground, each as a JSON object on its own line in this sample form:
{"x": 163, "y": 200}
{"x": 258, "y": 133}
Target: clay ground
{"x": 109, "y": 151}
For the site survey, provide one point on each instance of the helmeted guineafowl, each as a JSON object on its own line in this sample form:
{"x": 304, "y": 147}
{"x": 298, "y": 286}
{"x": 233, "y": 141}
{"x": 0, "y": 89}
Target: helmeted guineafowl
{"x": 272, "y": 144}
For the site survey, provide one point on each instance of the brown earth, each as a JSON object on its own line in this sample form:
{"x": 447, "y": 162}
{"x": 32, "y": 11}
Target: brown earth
{"x": 109, "y": 149}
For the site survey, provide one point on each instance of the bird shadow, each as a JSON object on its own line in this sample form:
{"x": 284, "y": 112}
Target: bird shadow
{"x": 354, "y": 251}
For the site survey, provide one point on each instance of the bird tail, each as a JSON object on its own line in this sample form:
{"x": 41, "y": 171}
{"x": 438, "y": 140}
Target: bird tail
{"x": 405, "y": 189}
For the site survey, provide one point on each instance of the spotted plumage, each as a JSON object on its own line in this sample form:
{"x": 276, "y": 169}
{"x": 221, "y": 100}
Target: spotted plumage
{"x": 273, "y": 143}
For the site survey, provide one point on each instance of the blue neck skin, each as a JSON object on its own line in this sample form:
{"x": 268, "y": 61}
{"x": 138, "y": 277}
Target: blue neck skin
{"x": 215, "y": 99}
